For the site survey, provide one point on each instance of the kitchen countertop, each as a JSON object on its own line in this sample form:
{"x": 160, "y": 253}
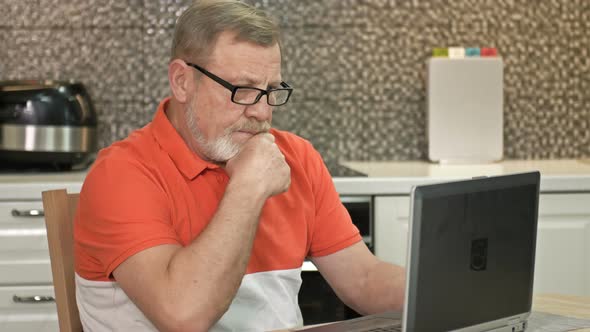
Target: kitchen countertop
{"x": 28, "y": 186}
{"x": 398, "y": 177}
{"x": 384, "y": 177}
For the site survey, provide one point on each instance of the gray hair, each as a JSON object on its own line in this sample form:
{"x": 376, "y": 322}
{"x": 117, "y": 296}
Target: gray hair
{"x": 199, "y": 26}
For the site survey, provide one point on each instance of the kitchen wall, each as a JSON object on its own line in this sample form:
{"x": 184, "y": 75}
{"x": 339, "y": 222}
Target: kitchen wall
{"x": 357, "y": 66}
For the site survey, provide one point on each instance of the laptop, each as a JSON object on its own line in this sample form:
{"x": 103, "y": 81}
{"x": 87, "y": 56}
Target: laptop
{"x": 471, "y": 257}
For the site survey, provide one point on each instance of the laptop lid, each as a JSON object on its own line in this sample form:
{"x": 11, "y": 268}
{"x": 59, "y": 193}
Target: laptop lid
{"x": 471, "y": 253}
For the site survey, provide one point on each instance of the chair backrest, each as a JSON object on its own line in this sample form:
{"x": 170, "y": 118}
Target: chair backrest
{"x": 60, "y": 208}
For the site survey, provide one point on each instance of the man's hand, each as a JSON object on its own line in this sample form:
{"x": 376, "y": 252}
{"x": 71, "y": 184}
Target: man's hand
{"x": 260, "y": 165}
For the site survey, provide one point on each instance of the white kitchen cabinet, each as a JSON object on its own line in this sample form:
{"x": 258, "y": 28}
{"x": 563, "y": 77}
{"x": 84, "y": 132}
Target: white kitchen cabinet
{"x": 563, "y": 244}
{"x": 23, "y": 309}
{"x": 391, "y": 217}
{"x": 26, "y": 291}
{"x": 26, "y": 287}
{"x": 563, "y": 241}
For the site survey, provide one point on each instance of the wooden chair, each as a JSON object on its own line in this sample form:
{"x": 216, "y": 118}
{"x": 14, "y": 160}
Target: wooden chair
{"x": 60, "y": 208}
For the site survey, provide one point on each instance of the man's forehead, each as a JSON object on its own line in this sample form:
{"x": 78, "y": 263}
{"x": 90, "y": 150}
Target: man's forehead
{"x": 246, "y": 65}
{"x": 248, "y": 79}
{"x": 246, "y": 62}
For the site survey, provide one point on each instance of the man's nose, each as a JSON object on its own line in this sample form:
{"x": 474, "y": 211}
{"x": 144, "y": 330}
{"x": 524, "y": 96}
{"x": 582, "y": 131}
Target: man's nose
{"x": 261, "y": 111}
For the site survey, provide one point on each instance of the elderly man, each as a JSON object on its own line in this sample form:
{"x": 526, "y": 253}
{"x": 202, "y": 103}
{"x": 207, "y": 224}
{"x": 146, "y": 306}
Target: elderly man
{"x": 202, "y": 219}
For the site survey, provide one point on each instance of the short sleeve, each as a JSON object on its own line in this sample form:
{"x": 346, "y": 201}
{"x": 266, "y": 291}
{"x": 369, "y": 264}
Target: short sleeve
{"x": 333, "y": 229}
{"x": 122, "y": 210}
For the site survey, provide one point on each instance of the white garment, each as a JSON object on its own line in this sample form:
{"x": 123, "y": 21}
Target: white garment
{"x": 265, "y": 301}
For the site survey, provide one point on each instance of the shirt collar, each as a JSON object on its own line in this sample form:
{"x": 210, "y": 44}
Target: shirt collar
{"x": 186, "y": 160}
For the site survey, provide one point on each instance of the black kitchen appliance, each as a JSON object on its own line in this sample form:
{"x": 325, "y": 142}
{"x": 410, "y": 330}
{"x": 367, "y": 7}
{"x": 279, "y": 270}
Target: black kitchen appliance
{"x": 318, "y": 302}
{"x": 46, "y": 125}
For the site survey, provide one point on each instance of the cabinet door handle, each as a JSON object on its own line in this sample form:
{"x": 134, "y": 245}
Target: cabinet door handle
{"x": 32, "y": 299}
{"x": 28, "y": 213}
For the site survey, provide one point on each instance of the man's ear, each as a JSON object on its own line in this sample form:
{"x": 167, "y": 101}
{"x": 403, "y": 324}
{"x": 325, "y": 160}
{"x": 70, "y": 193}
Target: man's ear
{"x": 178, "y": 77}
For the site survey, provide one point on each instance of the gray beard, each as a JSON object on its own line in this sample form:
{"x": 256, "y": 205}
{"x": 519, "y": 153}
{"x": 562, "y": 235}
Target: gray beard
{"x": 218, "y": 150}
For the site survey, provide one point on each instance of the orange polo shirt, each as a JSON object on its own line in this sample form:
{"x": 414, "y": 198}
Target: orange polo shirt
{"x": 151, "y": 189}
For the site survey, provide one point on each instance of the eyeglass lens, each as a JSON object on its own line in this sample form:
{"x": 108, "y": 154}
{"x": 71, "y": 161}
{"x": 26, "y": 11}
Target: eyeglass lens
{"x": 249, "y": 96}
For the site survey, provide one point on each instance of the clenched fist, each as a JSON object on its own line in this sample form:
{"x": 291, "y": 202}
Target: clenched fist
{"x": 260, "y": 165}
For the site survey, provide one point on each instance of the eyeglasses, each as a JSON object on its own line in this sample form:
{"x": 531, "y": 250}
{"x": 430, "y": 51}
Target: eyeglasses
{"x": 245, "y": 95}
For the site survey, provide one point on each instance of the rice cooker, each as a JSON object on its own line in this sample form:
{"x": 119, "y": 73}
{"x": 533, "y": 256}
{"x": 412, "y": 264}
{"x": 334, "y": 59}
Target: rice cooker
{"x": 46, "y": 124}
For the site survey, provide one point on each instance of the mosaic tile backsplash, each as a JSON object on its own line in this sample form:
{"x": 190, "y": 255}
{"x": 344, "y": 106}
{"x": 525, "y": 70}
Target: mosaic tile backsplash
{"x": 358, "y": 66}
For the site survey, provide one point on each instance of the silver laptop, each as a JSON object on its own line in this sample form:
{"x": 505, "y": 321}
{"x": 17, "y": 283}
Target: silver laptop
{"x": 471, "y": 258}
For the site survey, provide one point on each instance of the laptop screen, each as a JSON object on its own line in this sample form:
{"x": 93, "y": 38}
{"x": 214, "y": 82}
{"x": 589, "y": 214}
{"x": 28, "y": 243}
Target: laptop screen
{"x": 472, "y": 251}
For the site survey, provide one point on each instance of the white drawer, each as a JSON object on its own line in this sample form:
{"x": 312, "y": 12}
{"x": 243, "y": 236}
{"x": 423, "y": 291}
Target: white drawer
{"x": 24, "y": 253}
{"x": 29, "y": 320}
{"x": 17, "y": 211}
{"x": 19, "y": 230}
{"x": 26, "y": 297}
{"x": 25, "y": 267}
{"x": 24, "y": 236}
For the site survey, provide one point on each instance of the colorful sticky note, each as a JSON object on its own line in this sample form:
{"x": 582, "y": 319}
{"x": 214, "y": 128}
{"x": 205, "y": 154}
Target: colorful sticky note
{"x": 456, "y": 52}
{"x": 440, "y": 52}
{"x": 472, "y": 51}
{"x": 489, "y": 51}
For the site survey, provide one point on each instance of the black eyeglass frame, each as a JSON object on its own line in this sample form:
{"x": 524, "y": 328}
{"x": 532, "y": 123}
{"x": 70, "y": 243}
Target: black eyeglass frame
{"x": 234, "y": 88}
